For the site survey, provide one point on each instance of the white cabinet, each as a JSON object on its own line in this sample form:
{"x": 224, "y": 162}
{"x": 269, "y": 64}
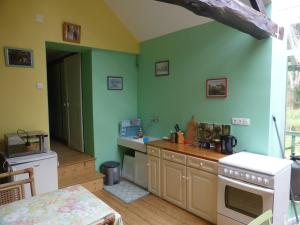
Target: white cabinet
{"x": 154, "y": 175}
{"x": 174, "y": 183}
{"x": 202, "y": 194}
{"x": 44, "y": 172}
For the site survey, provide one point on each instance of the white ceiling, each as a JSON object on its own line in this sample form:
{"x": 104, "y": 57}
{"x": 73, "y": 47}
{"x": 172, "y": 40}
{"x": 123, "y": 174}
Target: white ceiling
{"x": 147, "y": 19}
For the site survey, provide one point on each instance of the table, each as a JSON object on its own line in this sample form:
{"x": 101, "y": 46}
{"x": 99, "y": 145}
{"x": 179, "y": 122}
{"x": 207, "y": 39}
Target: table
{"x": 69, "y": 206}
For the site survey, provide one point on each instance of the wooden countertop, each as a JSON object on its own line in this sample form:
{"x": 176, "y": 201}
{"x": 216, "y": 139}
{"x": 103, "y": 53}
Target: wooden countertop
{"x": 211, "y": 155}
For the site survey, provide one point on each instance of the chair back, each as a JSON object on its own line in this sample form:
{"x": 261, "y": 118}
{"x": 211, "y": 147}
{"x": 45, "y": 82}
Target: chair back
{"x": 108, "y": 220}
{"x": 14, "y": 191}
{"x": 266, "y": 216}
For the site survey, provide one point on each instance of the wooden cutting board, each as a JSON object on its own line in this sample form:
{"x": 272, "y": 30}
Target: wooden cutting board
{"x": 192, "y": 132}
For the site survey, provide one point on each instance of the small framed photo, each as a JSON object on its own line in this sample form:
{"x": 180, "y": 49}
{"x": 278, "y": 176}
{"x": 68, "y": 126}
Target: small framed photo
{"x": 71, "y": 32}
{"x": 114, "y": 83}
{"x": 18, "y": 57}
{"x": 162, "y": 68}
{"x": 216, "y": 88}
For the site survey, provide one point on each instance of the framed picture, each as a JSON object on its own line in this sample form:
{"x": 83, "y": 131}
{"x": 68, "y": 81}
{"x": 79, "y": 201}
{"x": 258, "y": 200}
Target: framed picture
{"x": 71, "y": 32}
{"x": 114, "y": 83}
{"x": 216, "y": 88}
{"x": 162, "y": 68}
{"x": 18, "y": 57}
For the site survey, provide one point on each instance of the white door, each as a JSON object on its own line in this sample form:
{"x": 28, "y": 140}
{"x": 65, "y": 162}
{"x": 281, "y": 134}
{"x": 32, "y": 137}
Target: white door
{"x": 73, "y": 105}
{"x": 174, "y": 183}
{"x": 202, "y": 194}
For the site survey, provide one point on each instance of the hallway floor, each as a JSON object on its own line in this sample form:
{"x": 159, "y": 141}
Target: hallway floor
{"x": 67, "y": 155}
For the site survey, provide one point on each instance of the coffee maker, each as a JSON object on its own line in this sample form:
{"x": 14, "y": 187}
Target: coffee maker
{"x": 227, "y": 144}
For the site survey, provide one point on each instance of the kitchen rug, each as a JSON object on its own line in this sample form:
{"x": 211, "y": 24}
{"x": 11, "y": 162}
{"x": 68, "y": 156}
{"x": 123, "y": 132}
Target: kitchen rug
{"x": 126, "y": 191}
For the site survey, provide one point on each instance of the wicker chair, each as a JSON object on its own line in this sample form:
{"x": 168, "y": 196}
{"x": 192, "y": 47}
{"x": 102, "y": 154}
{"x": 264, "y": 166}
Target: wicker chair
{"x": 14, "y": 191}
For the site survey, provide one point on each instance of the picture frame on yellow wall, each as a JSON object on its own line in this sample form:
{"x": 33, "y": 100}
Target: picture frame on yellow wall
{"x": 18, "y": 57}
{"x": 71, "y": 32}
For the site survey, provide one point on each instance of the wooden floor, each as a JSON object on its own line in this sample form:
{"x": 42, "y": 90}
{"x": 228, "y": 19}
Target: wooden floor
{"x": 67, "y": 155}
{"x": 150, "y": 210}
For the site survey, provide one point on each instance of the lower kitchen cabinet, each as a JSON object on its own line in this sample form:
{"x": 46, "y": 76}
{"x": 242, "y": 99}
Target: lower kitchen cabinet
{"x": 174, "y": 183}
{"x": 154, "y": 175}
{"x": 202, "y": 194}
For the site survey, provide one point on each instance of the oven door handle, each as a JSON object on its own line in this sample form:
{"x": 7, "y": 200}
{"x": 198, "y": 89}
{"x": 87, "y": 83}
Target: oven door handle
{"x": 254, "y": 188}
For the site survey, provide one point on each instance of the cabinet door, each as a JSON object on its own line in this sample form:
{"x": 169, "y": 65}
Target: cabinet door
{"x": 202, "y": 194}
{"x": 174, "y": 183}
{"x": 154, "y": 175}
{"x": 44, "y": 173}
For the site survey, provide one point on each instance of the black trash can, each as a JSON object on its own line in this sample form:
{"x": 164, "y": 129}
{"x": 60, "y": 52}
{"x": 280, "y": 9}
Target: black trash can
{"x": 111, "y": 170}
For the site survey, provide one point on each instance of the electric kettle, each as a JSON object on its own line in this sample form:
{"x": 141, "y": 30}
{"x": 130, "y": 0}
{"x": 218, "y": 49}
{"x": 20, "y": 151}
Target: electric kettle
{"x": 227, "y": 144}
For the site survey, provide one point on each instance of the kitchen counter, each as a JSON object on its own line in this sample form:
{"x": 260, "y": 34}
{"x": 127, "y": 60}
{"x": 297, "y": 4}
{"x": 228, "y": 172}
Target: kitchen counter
{"x": 207, "y": 154}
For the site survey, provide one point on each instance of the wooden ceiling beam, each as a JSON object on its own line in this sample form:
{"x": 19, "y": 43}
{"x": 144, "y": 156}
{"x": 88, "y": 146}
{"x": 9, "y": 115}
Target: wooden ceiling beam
{"x": 234, "y": 14}
{"x": 258, "y": 5}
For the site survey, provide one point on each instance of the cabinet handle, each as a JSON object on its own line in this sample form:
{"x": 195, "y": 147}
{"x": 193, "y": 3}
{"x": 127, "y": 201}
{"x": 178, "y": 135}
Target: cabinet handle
{"x": 188, "y": 178}
{"x": 37, "y": 165}
{"x": 173, "y": 156}
{"x": 201, "y": 164}
{"x": 183, "y": 177}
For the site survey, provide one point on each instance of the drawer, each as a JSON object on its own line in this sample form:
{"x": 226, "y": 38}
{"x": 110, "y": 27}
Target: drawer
{"x": 153, "y": 151}
{"x": 174, "y": 157}
{"x": 202, "y": 164}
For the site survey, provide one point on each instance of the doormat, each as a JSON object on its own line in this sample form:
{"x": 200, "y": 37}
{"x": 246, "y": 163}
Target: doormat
{"x": 126, "y": 191}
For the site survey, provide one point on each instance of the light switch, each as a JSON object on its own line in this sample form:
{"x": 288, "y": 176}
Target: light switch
{"x": 39, "y": 18}
{"x": 39, "y": 85}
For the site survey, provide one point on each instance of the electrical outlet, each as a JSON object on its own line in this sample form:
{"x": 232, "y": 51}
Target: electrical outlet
{"x": 240, "y": 121}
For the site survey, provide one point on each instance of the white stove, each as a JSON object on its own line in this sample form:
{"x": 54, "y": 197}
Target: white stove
{"x": 253, "y": 168}
{"x": 249, "y": 184}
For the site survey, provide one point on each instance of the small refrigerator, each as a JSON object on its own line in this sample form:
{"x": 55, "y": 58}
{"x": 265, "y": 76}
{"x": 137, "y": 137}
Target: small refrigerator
{"x": 44, "y": 171}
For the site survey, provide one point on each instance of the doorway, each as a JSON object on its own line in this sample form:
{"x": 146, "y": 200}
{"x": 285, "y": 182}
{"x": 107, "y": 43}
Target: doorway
{"x": 65, "y": 99}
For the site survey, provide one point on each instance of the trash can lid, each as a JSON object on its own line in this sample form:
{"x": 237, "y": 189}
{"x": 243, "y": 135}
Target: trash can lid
{"x": 111, "y": 164}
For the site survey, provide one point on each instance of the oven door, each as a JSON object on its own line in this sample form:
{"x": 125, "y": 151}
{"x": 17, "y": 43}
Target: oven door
{"x": 242, "y": 202}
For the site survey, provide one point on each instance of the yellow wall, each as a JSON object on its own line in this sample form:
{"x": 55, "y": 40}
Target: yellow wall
{"x": 22, "y": 105}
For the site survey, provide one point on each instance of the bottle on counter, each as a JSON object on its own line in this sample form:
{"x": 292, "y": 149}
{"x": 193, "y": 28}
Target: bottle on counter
{"x": 140, "y": 133}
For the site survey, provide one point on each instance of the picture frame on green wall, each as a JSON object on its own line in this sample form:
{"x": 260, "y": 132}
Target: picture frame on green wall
{"x": 162, "y": 68}
{"x": 217, "y": 87}
{"x": 114, "y": 83}
{"x": 18, "y": 57}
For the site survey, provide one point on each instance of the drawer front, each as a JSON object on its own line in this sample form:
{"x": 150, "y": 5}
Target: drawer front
{"x": 174, "y": 157}
{"x": 202, "y": 164}
{"x": 153, "y": 151}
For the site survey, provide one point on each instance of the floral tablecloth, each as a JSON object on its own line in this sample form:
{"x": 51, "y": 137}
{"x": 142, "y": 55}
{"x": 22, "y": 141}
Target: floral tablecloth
{"x": 72, "y": 205}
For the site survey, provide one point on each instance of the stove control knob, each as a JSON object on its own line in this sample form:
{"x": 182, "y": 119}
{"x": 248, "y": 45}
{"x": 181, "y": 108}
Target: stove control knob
{"x": 259, "y": 179}
{"x": 247, "y": 176}
{"x": 225, "y": 170}
{"x": 230, "y": 172}
{"x": 253, "y": 178}
{"x": 236, "y": 173}
{"x": 266, "y": 181}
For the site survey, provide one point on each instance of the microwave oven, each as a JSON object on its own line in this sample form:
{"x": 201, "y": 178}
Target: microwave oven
{"x": 25, "y": 143}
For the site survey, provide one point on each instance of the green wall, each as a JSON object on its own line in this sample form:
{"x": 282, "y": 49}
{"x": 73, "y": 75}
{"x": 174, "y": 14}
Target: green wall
{"x": 196, "y": 54}
{"x": 110, "y": 107}
{"x": 87, "y": 102}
